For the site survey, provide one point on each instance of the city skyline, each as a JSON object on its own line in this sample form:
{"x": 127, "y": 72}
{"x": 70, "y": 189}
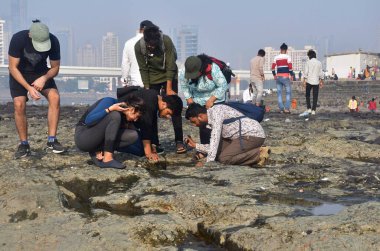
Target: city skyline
{"x": 231, "y": 32}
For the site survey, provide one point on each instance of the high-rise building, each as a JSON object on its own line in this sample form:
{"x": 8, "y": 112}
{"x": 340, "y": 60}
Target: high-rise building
{"x": 2, "y": 43}
{"x": 88, "y": 56}
{"x": 18, "y": 15}
{"x": 66, "y": 43}
{"x": 299, "y": 57}
{"x": 7, "y": 39}
{"x": 186, "y": 41}
{"x": 110, "y": 50}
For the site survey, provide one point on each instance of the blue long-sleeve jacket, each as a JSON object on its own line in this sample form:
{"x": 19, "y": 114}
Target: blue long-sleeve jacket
{"x": 97, "y": 111}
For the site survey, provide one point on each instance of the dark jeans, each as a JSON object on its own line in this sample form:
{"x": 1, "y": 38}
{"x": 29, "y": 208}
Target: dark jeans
{"x": 136, "y": 148}
{"x": 176, "y": 120}
{"x": 315, "y": 96}
{"x": 204, "y": 134}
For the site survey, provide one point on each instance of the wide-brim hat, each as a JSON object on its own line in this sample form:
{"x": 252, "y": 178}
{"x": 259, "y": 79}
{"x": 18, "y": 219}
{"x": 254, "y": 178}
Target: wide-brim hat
{"x": 193, "y": 66}
{"x": 39, "y": 33}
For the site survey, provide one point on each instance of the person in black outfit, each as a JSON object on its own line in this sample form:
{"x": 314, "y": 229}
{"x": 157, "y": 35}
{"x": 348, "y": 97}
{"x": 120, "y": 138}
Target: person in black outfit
{"x": 106, "y": 126}
{"x": 29, "y": 73}
{"x": 165, "y": 106}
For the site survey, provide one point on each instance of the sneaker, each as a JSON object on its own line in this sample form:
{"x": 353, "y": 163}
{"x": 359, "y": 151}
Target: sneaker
{"x": 312, "y": 112}
{"x": 309, "y": 110}
{"x": 22, "y": 151}
{"x": 55, "y": 146}
{"x": 305, "y": 114}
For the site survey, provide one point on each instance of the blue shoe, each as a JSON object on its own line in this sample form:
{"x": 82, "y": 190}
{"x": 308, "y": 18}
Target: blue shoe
{"x": 111, "y": 164}
{"x": 94, "y": 159}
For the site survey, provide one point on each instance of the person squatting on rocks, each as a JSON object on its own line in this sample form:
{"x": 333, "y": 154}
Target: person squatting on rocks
{"x": 372, "y": 105}
{"x": 156, "y": 57}
{"x": 283, "y": 77}
{"x": 203, "y": 83}
{"x": 165, "y": 106}
{"x": 106, "y": 126}
{"x": 29, "y": 73}
{"x": 130, "y": 73}
{"x": 235, "y": 139}
{"x": 353, "y": 104}
{"x": 313, "y": 79}
{"x": 257, "y": 78}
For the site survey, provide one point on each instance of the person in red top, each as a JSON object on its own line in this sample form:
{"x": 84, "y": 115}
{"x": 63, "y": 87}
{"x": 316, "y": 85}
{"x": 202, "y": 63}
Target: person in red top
{"x": 283, "y": 77}
{"x": 372, "y": 105}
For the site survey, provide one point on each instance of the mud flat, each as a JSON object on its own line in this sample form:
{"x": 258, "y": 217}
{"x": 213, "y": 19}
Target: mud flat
{"x": 320, "y": 191}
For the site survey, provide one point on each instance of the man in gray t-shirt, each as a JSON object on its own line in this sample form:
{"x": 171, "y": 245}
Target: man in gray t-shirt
{"x": 256, "y": 85}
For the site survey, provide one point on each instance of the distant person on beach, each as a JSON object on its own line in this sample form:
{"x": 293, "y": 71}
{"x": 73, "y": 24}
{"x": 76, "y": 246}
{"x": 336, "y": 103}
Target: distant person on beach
{"x": 106, "y": 126}
{"x": 29, "y": 74}
{"x": 234, "y": 140}
{"x": 257, "y": 77}
{"x": 156, "y": 57}
{"x": 130, "y": 73}
{"x": 373, "y": 74}
{"x": 312, "y": 80}
{"x": 299, "y": 75}
{"x": 283, "y": 77}
{"x": 353, "y": 104}
{"x": 164, "y": 106}
{"x": 203, "y": 83}
{"x": 372, "y": 105}
{"x": 367, "y": 73}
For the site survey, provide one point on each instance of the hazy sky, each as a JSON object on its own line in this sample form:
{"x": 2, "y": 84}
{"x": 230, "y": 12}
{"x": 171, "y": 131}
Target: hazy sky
{"x": 232, "y": 30}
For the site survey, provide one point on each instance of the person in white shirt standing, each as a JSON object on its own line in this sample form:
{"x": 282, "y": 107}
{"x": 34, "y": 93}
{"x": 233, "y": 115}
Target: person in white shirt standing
{"x": 130, "y": 73}
{"x": 313, "y": 79}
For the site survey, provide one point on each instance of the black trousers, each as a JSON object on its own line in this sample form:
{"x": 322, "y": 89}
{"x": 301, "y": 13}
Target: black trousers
{"x": 176, "y": 120}
{"x": 315, "y": 96}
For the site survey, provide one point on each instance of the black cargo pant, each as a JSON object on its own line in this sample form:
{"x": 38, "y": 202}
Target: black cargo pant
{"x": 315, "y": 96}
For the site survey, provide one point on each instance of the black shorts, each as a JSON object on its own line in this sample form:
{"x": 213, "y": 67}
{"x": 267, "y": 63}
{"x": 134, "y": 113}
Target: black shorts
{"x": 18, "y": 90}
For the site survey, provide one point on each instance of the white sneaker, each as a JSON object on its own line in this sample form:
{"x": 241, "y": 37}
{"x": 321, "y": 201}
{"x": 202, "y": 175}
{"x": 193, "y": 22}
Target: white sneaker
{"x": 305, "y": 113}
{"x": 312, "y": 112}
{"x": 309, "y": 110}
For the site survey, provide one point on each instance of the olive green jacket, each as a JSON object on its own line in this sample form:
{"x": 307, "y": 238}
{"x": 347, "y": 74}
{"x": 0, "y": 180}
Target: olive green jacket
{"x": 154, "y": 68}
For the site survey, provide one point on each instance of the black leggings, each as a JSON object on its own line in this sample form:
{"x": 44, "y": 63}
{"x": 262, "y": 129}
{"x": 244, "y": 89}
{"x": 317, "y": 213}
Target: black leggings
{"x": 315, "y": 96}
{"x": 176, "y": 120}
{"x": 106, "y": 135}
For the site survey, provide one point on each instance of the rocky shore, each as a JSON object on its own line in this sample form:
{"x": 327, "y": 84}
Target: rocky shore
{"x": 320, "y": 190}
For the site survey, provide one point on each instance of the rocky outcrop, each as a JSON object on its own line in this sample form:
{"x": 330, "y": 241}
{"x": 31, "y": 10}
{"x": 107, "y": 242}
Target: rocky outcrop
{"x": 320, "y": 191}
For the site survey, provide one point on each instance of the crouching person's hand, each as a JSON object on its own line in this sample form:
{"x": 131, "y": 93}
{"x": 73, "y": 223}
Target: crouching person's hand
{"x": 152, "y": 157}
{"x": 189, "y": 141}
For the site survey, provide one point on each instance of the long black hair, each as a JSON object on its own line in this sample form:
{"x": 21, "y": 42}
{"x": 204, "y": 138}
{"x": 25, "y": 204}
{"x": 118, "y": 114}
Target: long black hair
{"x": 205, "y": 62}
{"x": 135, "y": 102}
